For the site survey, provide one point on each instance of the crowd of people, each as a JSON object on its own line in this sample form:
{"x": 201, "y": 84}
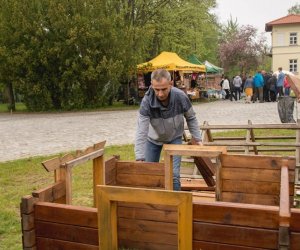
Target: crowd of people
{"x": 262, "y": 87}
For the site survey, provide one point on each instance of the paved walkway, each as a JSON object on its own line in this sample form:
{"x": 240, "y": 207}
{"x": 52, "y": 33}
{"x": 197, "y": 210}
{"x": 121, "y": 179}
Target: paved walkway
{"x": 24, "y": 135}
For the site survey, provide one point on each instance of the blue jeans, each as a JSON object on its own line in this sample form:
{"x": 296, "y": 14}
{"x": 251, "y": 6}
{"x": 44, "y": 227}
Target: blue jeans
{"x": 152, "y": 154}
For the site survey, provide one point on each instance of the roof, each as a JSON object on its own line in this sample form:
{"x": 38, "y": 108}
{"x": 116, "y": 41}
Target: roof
{"x": 169, "y": 61}
{"x": 289, "y": 19}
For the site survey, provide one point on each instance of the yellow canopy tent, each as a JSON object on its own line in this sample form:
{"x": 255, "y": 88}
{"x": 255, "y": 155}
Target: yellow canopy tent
{"x": 169, "y": 61}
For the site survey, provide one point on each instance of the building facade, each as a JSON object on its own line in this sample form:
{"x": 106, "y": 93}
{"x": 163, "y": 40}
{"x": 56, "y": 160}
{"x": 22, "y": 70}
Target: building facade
{"x": 285, "y": 43}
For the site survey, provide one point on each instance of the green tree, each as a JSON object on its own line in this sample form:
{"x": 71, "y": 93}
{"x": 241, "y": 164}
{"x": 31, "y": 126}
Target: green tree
{"x": 295, "y": 9}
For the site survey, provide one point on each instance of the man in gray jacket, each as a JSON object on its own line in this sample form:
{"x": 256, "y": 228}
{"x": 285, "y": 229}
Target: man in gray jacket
{"x": 161, "y": 121}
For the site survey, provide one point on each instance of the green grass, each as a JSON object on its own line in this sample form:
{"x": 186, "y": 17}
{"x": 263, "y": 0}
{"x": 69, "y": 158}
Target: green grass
{"x": 20, "y": 107}
{"x": 21, "y": 177}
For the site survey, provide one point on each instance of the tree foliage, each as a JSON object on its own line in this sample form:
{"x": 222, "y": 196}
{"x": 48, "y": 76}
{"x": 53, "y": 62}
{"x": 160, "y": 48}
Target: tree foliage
{"x": 66, "y": 54}
{"x": 295, "y": 9}
{"x": 240, "y": 48}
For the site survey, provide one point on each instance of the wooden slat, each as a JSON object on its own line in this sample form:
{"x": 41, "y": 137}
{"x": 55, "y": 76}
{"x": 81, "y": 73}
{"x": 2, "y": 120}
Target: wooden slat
{"x": 29, "y": 238}
{"x": 272, "y": 200}
{"x": 27, "y": 204}
{"x": 149, "y": 237}
{"x": 254, "y": 162}
{"x": 284, "y": 206}
{"x": 66, "y": 232}
{"x": 147, "y": 206}
{"x": 27, "y": 221}
{"x": 258, "y": 216}
{"x": 254, "y": 174}
{"x": 243, "y": 236}
{"x": 295, "y": 241}
{"x": 140, "y": 180}
{"x": 110, "y": 171}
{"x": 219, "y": 246}
{"x": 295, "y": 220}
{"x": 141, "y": 168}
{"x": 194, "y": 184}
{"x": 52, "y": 192}
{"x": 147, "y": 214}
{"x": 66, "y": 214}
{"x": 98, "y": 175}
{"x": 254, "y": 187}
{"x": 254, "y": 126}
{"x": 128, "y": 244}
{"x": 147, "y": 226}
{"x": 205, "y": 167}
{"x": 54, "y": 244}
{"x": 84, "y": 158}
{"x": 242, "y": 138}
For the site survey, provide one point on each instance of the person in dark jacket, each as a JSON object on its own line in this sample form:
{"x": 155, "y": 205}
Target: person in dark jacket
{"x": 272, "y": 85}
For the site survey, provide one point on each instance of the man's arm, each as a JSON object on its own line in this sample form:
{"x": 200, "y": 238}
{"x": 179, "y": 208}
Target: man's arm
{"x": 141, "y": 137}
{"x": 193, "y": 125}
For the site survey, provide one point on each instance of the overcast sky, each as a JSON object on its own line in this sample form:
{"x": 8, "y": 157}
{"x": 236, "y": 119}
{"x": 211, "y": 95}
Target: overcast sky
{"x": 253, "y": 12}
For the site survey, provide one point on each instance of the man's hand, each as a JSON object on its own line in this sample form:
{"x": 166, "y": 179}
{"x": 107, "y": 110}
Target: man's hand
{"x": 194, "y": 142}
{"x": 140, "y": 160}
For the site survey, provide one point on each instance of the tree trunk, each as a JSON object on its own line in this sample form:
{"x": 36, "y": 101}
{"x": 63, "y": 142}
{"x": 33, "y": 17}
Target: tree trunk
{"x": 11, "y": 97}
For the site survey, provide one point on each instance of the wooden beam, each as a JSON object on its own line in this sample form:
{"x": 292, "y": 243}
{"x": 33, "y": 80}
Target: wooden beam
{"x": 84, "y": 158}
{"x": 284, "y": 207}
{"x": 98, "y": 175}
{"x": 253, "y": 126}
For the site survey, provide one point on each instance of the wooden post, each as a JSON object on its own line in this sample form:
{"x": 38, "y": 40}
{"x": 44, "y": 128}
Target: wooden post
{"x": 68, "y": 171}
{"x": 98, "y": 175}
{"x": 218, "y": 180}
{"x": 253, "y": 137}
{"x": 168, "y": 171}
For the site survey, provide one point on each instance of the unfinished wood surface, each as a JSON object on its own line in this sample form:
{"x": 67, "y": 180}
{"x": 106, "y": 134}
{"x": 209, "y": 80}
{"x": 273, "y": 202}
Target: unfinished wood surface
{"x": 28, "y": 238}
{"x": 206, "y": 168}
{"x": 228, "y": 213}
{"x": 66, "y": 232}
{"x": 241, "y": 236}
{"x": 84, "y": 158}
{"x": 68, "y": 185}
{"x": 295, "y": 241}
{"x": 219, "y": 246}
{"x": 109, "y": 195}
{"x": 284, "y": 206}
{"x": 253, "y": 126}
{"x": 261, "y": 199}
{"x": 129, "y": 244}
{"x": 27, "y": 222}
{"x": 255, "y": 162}
{"x": 134, "y": 180}
{"x": 54, "y": 244}
{"x": 52, "y": 192}
{"x": 66, "y": 214}
{"x": 98, "y": 175}
{"x": 110, "y": 166}
{"x": 295, "y": 220}
{"x": 219, "y": 180}
{"x": 188, "y": 184}
{"x": 140, "y": 168}
{"x": 168, "y": 161}
{"x": 27, "y": 204}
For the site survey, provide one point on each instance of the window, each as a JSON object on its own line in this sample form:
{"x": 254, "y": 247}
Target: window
{"x": 293, "y": 65}
{"x": 280, "y": 39}
{"x": 293, "y": 38}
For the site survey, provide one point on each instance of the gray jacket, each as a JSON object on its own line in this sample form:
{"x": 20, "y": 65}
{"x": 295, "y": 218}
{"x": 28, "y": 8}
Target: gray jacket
{"x": 160, "y": 124}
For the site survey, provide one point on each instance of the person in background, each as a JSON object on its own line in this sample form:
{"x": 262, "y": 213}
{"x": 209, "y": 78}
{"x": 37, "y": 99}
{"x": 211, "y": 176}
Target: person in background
{"x": 280, "y": 80}
{"x": 266, "y": 88}
{"x": 272, "y": 83}
{"x": 258, "y": 82}
{"x": 287, "y": 86}
{"x": 237, "y": 83}
{"x": 248, "y": 88}
{"x": 161, "y": 121}
{"x": 226, "y": 87}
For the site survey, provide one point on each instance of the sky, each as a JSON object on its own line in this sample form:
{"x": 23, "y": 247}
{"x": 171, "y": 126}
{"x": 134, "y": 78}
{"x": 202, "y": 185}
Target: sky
{"x": 253, "y": 12}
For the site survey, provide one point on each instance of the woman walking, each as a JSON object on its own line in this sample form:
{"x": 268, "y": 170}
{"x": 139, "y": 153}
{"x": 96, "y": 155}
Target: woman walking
{"x": 248, "y": 88}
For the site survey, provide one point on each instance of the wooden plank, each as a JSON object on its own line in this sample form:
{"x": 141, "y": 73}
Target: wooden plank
{"x": 27, "y": 204}
{"x": 52, "y": 192}
{"x": 188, "y": 184}
{"x": 254, "y": 144}
{"x": 258, "y": 216}
{"x": 252, "y": 137}
{"x": 27, "y": 222}
{"x": 255, "y": 162}
{"x": 219, "y": 180}
{"x": 65, "y": 232}
{"x": 29, "y": 238}
{"x": 110, "y": 166}
{"x": 147, "y": 226}
{"x": 295, "y": 241}
{"x": 254, "y": 187}
{"x": 140, "y": 180}
{"x": 147, "y": 214}
{"x": 149, "y": 237}
{"x": 98, "y": 175}
{"x": 194, "y": 150}
{"x": 66, "y": 214}
{"x": 147, "y": 206}
{"x": 254, "y": 174}
{"x": 128, "y": 244}
{"x": 84, "y": 158}
{"x": 204, "y": 166}
{"x": 242, "y": 236}
{"x": 284, "y": 205}
{"x": 54, "y": 244}
{"x": 68, "y": 185}
{"x": 242, "y": 138}
{"x": 168, "y": 161}
{"x": 146, "y": 168}
{"x": 219, "y": 246}
{"x": 99, "y": 145}
{"x": 272, "y": 200}
{"x": 295, "y": 220}
{"x": 253, "y": 126}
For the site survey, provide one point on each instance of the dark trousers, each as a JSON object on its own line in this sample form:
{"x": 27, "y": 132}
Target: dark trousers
{"x": 237, "y": 93}
{"x": 258, "y": 93}
{"x": 280, "y": 91}
{"x": 227, "y": 93}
